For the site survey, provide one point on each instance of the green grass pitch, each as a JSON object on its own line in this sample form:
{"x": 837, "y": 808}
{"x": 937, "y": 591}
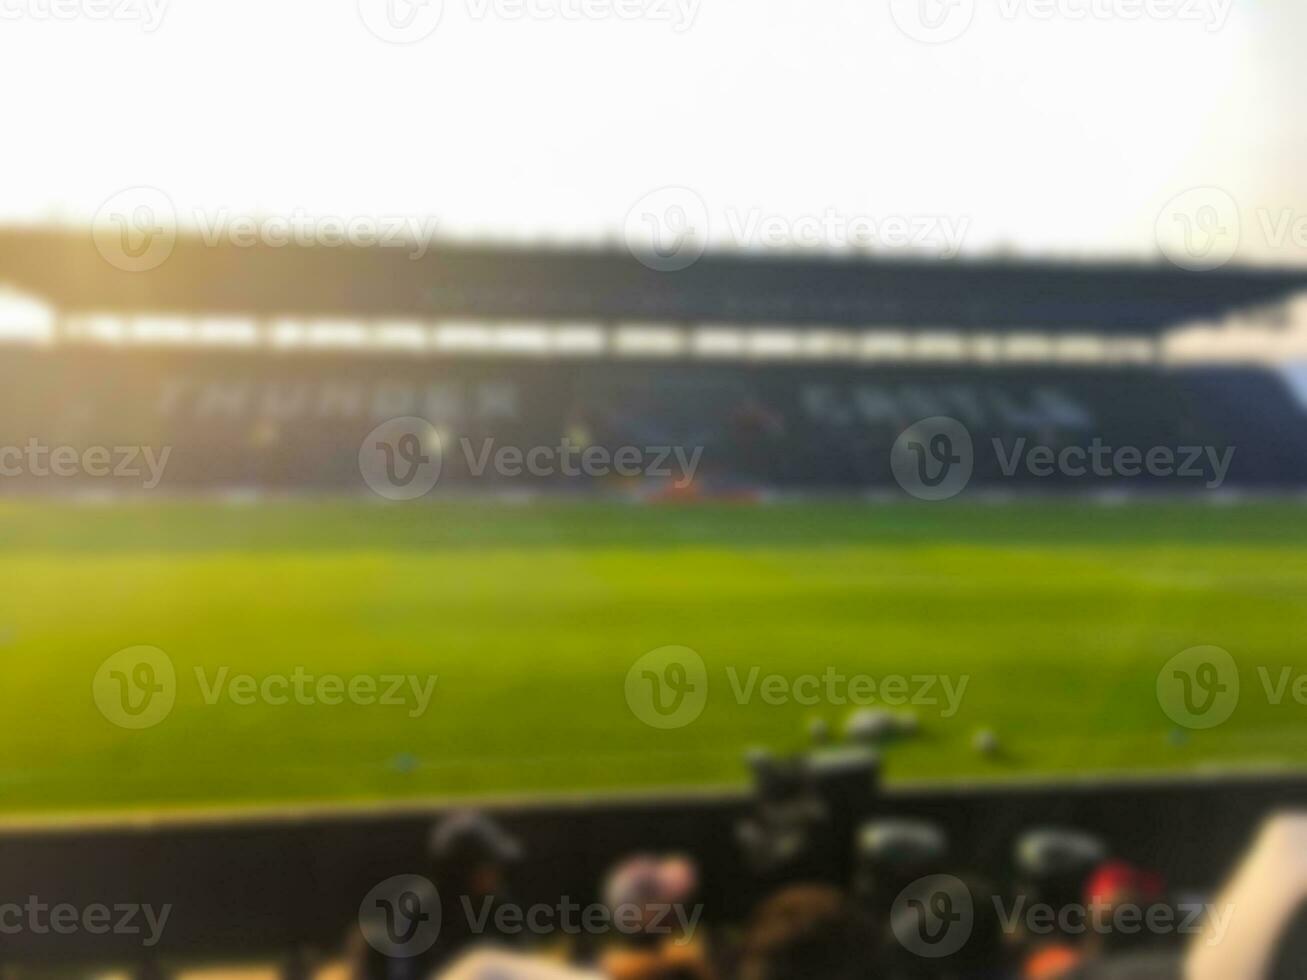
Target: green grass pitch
{"x": 1060, "y": 615}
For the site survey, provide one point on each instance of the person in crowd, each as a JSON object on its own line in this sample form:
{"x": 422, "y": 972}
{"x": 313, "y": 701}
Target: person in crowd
{"x": 652, "y": 885}
{"x": 469, "y": 859}
{"x": 913, "y": 950}
{"x": 892, "y": 853}
{"x": 1113, "y": 887}
{"x": 1053, "y": 864}
{"x": 801, "y": 932}
{"x": 656, "y": 893}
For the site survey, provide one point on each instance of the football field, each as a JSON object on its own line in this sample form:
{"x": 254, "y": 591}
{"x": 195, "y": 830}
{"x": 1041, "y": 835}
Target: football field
{"x": 484, "y": 649}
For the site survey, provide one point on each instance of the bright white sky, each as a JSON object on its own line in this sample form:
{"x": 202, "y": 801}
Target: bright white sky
{"x": 1057, "y": 134}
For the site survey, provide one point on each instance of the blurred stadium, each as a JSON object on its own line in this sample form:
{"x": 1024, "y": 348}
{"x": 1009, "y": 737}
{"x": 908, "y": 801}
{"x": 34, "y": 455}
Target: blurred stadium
{"x": 1039, "y": 608}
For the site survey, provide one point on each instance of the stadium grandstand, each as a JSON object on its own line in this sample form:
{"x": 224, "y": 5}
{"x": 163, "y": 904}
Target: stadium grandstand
{"x": 265, "y": 367}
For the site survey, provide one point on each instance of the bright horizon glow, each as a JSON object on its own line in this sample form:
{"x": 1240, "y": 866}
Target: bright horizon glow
{"x": 1061, "y": 136}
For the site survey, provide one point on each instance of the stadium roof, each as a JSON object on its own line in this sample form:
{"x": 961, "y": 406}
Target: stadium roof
{"x": 1003, "y": 294}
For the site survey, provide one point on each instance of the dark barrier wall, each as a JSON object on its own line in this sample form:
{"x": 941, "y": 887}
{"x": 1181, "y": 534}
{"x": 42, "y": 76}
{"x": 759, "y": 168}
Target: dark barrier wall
{"x": 267, "y": 887}
{"x": 263, "y": 420}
